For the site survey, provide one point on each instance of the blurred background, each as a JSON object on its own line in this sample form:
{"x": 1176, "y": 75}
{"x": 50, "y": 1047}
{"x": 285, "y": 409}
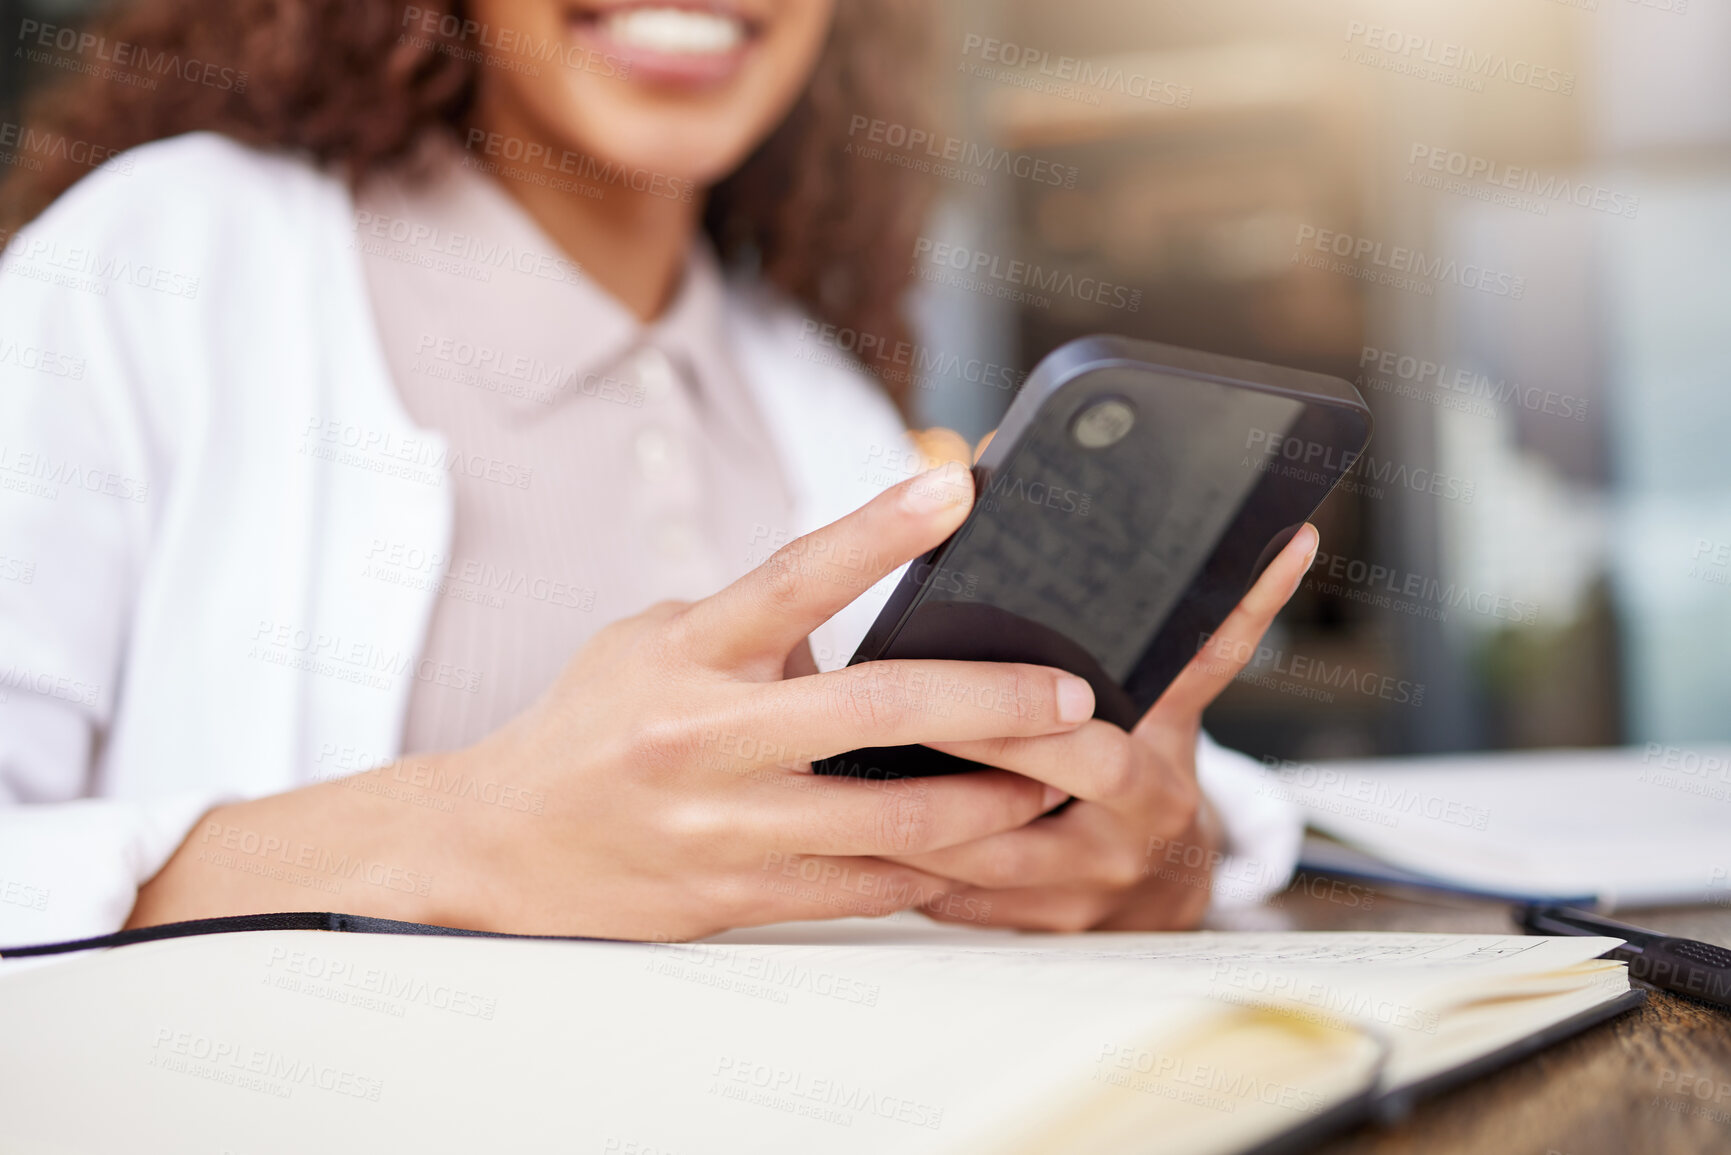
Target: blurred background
{"x": 1530, "y": 555}
{"x": 1508, "y": 221}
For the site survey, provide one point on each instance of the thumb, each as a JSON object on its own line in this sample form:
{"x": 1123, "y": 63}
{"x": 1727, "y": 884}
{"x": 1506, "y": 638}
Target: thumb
{"x": 940, "y": 446}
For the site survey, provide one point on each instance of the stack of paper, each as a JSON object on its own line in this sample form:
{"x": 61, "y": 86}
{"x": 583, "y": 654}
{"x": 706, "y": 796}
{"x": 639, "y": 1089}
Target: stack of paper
{"x": 1639, "y": 827}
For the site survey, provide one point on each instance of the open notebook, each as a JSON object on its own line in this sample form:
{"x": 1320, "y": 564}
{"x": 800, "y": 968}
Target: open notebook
{"x": 949, "y": 1042}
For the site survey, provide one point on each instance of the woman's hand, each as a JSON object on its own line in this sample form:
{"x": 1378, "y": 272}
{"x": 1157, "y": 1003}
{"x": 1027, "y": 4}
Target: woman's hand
{"x": 939, "y": 446}
{"x": 1137, "y": 847}
{"x": 668, "y": 765}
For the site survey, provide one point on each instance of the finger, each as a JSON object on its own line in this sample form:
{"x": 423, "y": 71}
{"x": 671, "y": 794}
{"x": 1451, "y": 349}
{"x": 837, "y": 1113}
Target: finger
{"x": 1085, "y": 845}
{"x": 1063, "y": 909}
{"x": 1233, "y": 645}
{"x": 1099, "y": 763}
{"x": 904, "y": 702}
{"x": 806, "y": 582}
{"x": 940, "y": 446}
{"x": 791, "y": 887}
{"x": 800, "y": 661}
{"x": 1096, "y": 761}
{"x": 980, "y": 449}
{"x": 837, "y": 814}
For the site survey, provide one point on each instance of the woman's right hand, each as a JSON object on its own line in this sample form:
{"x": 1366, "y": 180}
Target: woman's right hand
{"x": 672, "y": 757}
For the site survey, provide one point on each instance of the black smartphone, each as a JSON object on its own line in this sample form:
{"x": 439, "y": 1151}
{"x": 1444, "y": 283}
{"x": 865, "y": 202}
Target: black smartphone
{"x": 1131, "y": 496}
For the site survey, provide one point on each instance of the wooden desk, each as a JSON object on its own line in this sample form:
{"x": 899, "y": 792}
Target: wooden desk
{"x": 1656, "y": 1080}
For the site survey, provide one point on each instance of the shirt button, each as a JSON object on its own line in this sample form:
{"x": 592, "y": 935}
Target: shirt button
{"x": 654, "y": 452}
{"x": 655, "y": 374}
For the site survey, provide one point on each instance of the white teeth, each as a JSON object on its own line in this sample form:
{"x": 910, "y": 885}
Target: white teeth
{"x": 675, "y": 30}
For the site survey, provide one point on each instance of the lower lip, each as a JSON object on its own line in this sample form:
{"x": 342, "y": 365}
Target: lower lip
{"x": 664, "y": 69}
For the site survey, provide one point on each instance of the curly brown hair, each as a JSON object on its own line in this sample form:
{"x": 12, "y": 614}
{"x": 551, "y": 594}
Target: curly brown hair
{"x": 337, "y": 81}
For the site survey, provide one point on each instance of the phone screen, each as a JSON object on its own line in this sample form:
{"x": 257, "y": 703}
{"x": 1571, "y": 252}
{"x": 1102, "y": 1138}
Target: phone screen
{"x": 1134, "y": 510}
{"x": 1099, "y": 542}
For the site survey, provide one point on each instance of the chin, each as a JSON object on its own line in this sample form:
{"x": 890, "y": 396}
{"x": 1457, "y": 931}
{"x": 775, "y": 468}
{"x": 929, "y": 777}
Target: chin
{"x": 687, "y": 141}
{"x": 685, "y": 88}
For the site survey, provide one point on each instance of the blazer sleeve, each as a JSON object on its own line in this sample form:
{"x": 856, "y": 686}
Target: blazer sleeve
{"x": 81, "y": 483}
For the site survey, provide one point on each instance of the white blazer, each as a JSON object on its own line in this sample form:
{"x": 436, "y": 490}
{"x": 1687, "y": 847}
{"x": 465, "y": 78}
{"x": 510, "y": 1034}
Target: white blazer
{"x": 173, "y": 331}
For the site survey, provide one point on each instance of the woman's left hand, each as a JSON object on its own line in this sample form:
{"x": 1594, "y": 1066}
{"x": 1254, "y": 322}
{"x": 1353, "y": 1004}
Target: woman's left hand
{"x": 1136, "y": 847}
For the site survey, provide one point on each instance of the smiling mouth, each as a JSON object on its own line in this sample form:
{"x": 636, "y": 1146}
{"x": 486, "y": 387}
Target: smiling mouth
{"x": 669, "y": 43}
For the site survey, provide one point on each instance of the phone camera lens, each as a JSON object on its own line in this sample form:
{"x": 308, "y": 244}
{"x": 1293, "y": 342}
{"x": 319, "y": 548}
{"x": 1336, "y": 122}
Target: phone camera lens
{"x": 1103, "y": 423}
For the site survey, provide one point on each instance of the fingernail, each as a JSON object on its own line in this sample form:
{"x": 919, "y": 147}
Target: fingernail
{"x": 1315, "y": 541}
{"x": 1075, "y": 699}
{"x": 937, "y": 490}
{"x": 1051, "y": 798}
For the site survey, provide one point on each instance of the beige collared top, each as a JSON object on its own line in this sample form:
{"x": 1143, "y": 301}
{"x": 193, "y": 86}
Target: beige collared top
{"x": 599, "y": 464}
